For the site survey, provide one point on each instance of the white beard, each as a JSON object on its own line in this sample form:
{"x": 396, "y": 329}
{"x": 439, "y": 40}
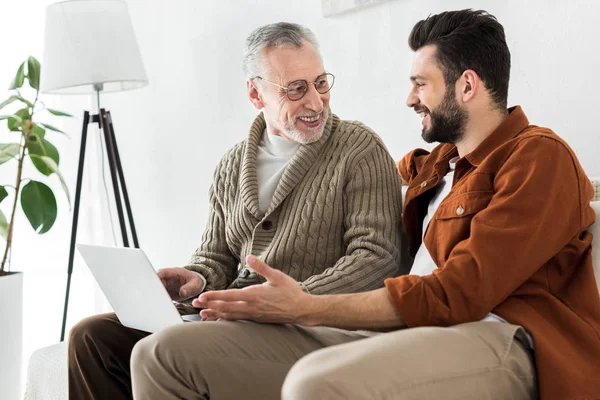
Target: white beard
{"x": 312, "y": 135}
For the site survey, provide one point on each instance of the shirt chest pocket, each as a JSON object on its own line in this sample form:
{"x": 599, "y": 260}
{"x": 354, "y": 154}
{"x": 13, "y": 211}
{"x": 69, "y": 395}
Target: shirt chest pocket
{"x": 463, "y": 206}
{"x": 452, "y": 222}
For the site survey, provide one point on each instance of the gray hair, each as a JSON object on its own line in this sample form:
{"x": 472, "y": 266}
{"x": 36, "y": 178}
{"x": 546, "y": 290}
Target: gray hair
{"x": 281, "y": 34}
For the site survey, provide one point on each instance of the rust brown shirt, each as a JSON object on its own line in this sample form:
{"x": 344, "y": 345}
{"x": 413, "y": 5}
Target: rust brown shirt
{"x": 510, "y": 238}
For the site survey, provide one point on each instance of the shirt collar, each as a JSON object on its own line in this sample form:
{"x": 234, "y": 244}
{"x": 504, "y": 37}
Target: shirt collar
{"x": 278, "y": 146}
{"x": 512, "y": 125}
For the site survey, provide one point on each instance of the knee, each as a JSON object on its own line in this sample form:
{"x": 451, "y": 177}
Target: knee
{"x": 296, "y": 382}
{"x": 155, "y": 358}
{"x": 141, "y": 355}
{"x": 154, "y": 350}
{"x": 80, "y": 330}
{"x": 88, "y": 330}
{"x": 308, "y": 380}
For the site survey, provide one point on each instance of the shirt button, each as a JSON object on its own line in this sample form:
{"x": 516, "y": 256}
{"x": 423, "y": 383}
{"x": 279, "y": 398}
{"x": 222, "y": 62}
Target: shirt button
{"x": 244, "y": 273}
{"x": 460, "y": 211}
{"x": 424, "y": 184}
{"x": 267, "y": 225}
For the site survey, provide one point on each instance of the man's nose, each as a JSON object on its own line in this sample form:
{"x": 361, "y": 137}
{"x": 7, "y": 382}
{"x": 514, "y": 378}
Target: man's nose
{"x": 313, "y": 99}
{"x": 412, "y": 99}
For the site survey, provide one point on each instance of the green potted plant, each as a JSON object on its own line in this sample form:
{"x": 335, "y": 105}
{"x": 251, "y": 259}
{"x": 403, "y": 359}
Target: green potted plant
{"x": 25, "y": 140}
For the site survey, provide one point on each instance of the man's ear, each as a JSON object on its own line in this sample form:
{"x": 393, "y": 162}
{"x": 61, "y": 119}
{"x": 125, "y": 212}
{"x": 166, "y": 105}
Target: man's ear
{"x": 468, "y": 85}
{"x": 254, "y": 95}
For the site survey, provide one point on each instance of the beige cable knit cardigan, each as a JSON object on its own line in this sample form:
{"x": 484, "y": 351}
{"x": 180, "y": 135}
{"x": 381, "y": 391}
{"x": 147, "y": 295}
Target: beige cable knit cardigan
{"x": 334, "y": 222}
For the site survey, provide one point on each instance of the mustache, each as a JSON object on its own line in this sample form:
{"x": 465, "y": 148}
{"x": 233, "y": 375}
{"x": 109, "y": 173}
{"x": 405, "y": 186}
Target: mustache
{"x": 420, "y": 108}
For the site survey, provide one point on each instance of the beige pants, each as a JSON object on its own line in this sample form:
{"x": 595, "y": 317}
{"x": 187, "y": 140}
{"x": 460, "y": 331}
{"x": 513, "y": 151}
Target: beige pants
{"x": 244, "y": 360}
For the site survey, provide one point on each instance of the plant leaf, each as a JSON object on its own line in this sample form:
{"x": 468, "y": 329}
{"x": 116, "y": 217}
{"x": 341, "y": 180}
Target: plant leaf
{"x": 3, "y": 225}
{"x": 25, "y": 101}
{"x": 42, "y": 148}
{"x": 51, "y": 164}
{"x": 18, "y": 119}
{"x": 39, "y": 205}
{"x": 24, "y": 113}
{"x": 14, "y": 123}
{"x": 33, "y": 72}
{"x": 9, "y": 116}
{"x": 6, "y": 102}
{"x": 19, "y": 78}
{"x": 52, "y": 128}
{"x": 8, "y": 151}
{"x": 3, "y": 193}
{"x": 59, "y": 113}
{"x": 37, "y": 132}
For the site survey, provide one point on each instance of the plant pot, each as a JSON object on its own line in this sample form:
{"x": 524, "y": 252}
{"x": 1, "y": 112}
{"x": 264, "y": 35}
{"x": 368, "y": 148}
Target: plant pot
{"x": 11, "y": 335}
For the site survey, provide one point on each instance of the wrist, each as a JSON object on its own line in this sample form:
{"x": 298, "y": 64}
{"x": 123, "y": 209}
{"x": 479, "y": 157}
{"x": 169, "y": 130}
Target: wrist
{"x": 309, "y": 310}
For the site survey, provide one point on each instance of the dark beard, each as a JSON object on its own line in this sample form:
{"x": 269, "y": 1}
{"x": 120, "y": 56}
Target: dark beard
{"x": 448, "y": 121}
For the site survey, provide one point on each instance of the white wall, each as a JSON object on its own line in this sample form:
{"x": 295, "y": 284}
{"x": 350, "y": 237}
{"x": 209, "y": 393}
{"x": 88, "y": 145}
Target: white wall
{"x": 172, "y": 133}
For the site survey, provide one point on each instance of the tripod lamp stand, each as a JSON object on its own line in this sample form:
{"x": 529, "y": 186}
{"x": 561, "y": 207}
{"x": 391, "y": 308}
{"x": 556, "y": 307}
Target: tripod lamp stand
{"x": 90, "y": 48}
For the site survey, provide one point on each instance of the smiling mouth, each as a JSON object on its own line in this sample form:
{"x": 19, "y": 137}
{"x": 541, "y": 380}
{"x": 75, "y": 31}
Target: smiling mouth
{"x": 423, "y": 114}
{"x": 424, "y": 117}
{"x": 421, "y": 110}
{"x": 310, "y": 119}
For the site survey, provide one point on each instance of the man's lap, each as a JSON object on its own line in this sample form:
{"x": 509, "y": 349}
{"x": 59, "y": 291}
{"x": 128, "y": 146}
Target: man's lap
{"x": 224, "y": 359}
{"x": 475, "y": 360}
{"x": 279, "y": 343}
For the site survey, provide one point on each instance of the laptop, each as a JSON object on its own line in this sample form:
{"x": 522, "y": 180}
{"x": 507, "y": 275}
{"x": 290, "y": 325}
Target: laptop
{"x": 132, "y": 287}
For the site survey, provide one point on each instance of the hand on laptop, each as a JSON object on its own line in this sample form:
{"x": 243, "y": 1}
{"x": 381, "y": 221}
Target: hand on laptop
{"x": 181, "y": 283}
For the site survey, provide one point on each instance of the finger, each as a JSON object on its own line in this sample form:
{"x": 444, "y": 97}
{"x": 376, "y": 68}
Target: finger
{"x": 190, "y": 289}
{"x": 271, "y": 274}
{"x": 163, "y": 273}
{"x": 212, "y": 315}
{"x": 166, "y": 273}
{"x": 228, "y": 306}
{"x": 227, "y": 295}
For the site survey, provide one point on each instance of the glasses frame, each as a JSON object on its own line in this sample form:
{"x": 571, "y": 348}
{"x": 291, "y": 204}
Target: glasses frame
{"x": 301, "y": 80}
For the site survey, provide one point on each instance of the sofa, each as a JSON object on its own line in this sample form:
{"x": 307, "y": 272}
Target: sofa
{"x": 47, "y": 368}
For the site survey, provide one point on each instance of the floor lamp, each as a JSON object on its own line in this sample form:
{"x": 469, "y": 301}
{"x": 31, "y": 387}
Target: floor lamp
{"x": 90, "y": 48}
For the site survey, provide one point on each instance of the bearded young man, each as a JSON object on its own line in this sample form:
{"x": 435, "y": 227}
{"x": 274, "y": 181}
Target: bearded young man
{"x": 317, "y": 197}
{"x": 501, "y": 302}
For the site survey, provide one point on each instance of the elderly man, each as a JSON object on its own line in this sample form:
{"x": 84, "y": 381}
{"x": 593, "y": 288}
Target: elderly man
{"x": 314, "y": 196}
{"x": 501, "y": 302}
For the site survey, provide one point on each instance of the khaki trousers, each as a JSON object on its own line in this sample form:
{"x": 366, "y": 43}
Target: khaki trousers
{"x": 245, "y": 360}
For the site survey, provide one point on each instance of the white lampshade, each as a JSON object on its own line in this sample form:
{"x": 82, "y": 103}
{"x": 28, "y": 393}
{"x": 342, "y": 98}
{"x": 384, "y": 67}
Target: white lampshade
{"x": 88, "y": 43}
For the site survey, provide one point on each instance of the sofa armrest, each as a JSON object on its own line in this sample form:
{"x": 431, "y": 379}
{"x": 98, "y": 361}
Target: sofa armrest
{"x": 47, "y": 374}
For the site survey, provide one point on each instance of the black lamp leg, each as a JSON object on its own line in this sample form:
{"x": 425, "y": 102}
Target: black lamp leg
{"x": 110, "y": 151}
{"x": 122, "y": 180}
{"x": 86, "y": 121}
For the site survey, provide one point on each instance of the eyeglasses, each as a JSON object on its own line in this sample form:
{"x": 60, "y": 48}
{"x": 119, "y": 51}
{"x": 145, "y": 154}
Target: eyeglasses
{"x": 297, "y": 89}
